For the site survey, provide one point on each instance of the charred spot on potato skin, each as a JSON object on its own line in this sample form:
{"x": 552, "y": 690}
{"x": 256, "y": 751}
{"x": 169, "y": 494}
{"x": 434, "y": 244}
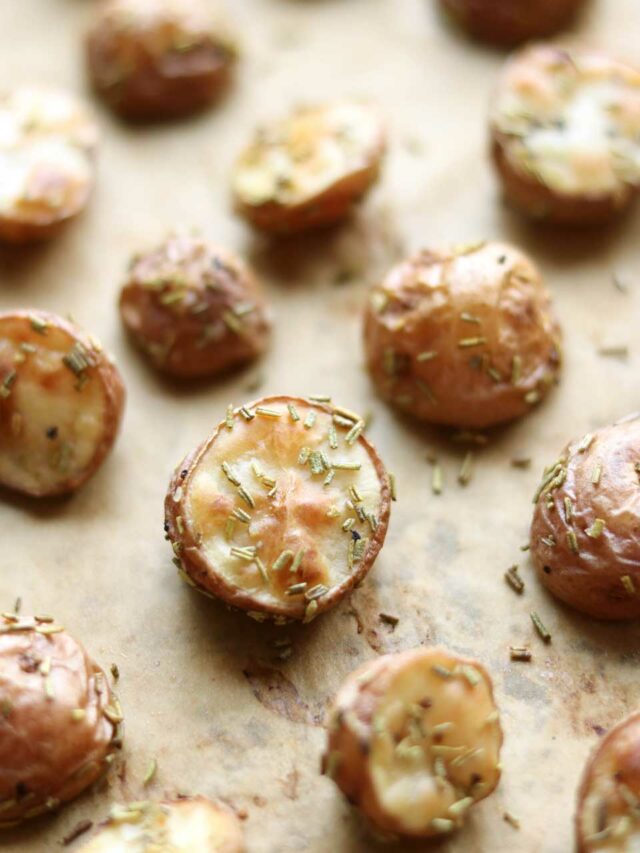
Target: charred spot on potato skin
{"x": 547, "y": 570}
{"x": 52, "y": 432}
{"x": 365, "y": 746}
{"x": 28, "y": 662}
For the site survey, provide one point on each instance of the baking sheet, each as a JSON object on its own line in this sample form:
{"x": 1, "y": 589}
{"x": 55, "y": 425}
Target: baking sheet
{"x": 202, "y": 689}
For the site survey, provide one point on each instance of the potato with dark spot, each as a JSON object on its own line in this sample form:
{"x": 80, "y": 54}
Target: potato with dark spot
{"x": 61, "y": 404}
{"x": 186, "y": 825}
{"x": 584, "y": 534}
{"x": 159, "y": 59}
{"x": 309, "y": 170}
{"x": 608, "y": 812}
{"x": 565, "y": 132}
{"x": 282, "y": 511}
{"x": 194, "y": 309}
{"x": 509, "y": 22}
{"x": 47, "y": 148}
{"x": 59, "y": 721}
{"x": 463, "y": 336}
{"x": 414, "y": 741}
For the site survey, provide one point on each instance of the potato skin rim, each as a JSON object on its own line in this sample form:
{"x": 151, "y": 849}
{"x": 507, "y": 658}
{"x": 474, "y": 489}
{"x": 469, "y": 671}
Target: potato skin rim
{"x": 209, "y": 581}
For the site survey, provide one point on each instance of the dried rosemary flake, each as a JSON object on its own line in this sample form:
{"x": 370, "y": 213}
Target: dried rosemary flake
{"x": 511, "y": 820}
{"x": 264, "y": 412}
{"x": 177, "y": 495}
{"x": 246, "y": 553}
{"x": 520, "y": 653}
{"x": 78, "y": 714}
{"x": 329, "y": 478}
{"x": 246, "y": 414}
{"x": 568, "y": 509}
{"x": 516, "y": 369}
{"x": 597, "y": 474}
{"x": 595, "y": 531}
{"x": 442, "y": 671}
{"x": 39, "y": 325}
{"x": 296, "y": 588}
{"x": 346, "y": 466}
{"x": 521, "y": 462}
{"x": 392, "y": 487}
{"x": 229, "y": 528}
{"x": 494, "y": 374}
{"x": 437, "y": 481}
{"x": 442, "y": 824}
{"x": 471, "y": 342}
{"x": 115, "y": 671}
{"x": 262, "y": 569}
{"x": 78, "y": 359}
{"x": 466, "y": 470}
{"x": 241, "y": 515}
{"x": 232, "y": 322}
{"x": 540, "y": 628}
{"x": 310, "y": 611}
{"x": 428, "y": 355}
{"x": 388, "y": 619}
{"x": 461, "y": 806}
{"x": 5, "y": 388}
{"x": 297, "y": 560}
{"x": 628, "y": 584}
{"x": 586, "y": 442}
{"x": 246, "y": 497}
{"x": 113, "y": 714}
{"x": 303, "y": 456}
{"x": 310, "y": 420}
{"x": 320, "y": 398}
{"x": 532, "y": 397}
{"x": 332, "y": 437}
{"x": 572, "y": 541}
{"x": 281, "y": 561}
{"x": 342, "y": 421}
{"x": 471, "y": 674}
{"x": 293, "y": 412}
{"x": 354, "y": 433}
{"x": 231, "y": 477}
{"x": 315, "y": 462}
{"x": 316, "y": 591}
{"x": 229, "y": 419}
{"x": 614, "y": 352}
{"x": 514, "y": 580}
{"x": 466, "y": 317}
{"x": 46, "y": 630}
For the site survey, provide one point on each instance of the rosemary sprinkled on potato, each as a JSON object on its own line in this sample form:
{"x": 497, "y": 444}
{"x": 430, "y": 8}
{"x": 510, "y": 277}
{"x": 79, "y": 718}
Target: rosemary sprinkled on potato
{"x": 241, "y": 515}
{"x": 442, "y": 824}
{"x": 229, "y": 474}
{"x": 310, "y": 611}
{"x": 310, "y": 420}
{"x": 332, "y": 437}
{"x": 246, "y": 553}
{"x": 293, "y": 412}
{"x": 297, "y": 560}
{"x": 39, "y": 325}
{"x": 572, "y": 541}
{"x": 320, "y": 398}
{"x": 152, "y": 769}
{"x": 229, "y": 419}
{"x": 296, "y": 588}
{"x": 539, "y": 626}
{"x": 265, "y": 412}
{"x": 354, "y": 433}
{"x": 442, "y": 671}
{"x": 78, "y": 714}
{"x": 78, "y": 359}
{"x": 246, "y": 497}
{"x": 7, "y": 384}
{"x": 471, "y": 342}
{"x": 586, "y": 442}
{"x": 467, "y": 317}
{"x": 597, "y": 474}
{"x": 516, "y": 369}
{"x": 514, "y": 580}
{"x": 595, "y": 531}
{"x": 532, "y": 397}
{"x": 246, "y": 414}
{"x": 428, "y": 355}
{"x": 628, "y": 584}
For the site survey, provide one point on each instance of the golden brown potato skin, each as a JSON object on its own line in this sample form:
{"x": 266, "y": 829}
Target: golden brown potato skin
{"x": 197, "y": 569}
{"x": 55, "y": 382}
{"x": 585, "y": 170}
{"x": 609, "y": 793}
{"x": 301, "y": 189}
{"x": 463, "y": 336}
{"x": 194, "y": 309}
{"x": 46, "y": 756}
{"x": 352, "y": 730}
{"x": 509, "y": 22}
{"x": 158, "y": 60}
{"x": 598, "y": 482}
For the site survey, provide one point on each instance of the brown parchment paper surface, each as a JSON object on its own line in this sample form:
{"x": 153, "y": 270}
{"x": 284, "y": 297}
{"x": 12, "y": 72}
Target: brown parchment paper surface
{"x": 201, "y": 688}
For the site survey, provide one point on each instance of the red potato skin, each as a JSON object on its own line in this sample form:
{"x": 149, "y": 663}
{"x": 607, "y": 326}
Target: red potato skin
{"x": 511, "y": 22}
{"x": 168, "y": 86}
{"x": 352, "y": 775}
{"x": 207, "y": 580}
{"x": 621, "y": 746}
{"x": 590, "y": 581}
{"x": 150, "y": 323}
{"x": 41, "y": 748}
{"x": 105, "y": 372}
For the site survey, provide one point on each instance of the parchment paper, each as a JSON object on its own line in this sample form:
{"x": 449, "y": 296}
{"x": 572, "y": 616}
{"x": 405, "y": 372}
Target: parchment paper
{"x": 202, "y": 688}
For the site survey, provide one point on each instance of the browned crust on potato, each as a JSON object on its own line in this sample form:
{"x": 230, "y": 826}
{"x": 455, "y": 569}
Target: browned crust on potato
{"x": 190, "y": 325}
{"x": 352, "y": 776}
{"x": 104, "y": 371}
{"x": 46, "y": 756}
{"x": 141, "y": 84}
{"x": 463, "y": 337}
{"x": 510, "y": 22}
{"x": 196, "y": 569}
{"x": 624, "y": 754}
{"x": 596, "y": 572}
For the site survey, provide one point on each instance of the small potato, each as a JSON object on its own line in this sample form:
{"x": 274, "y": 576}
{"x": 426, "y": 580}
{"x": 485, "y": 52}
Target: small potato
{"x": 463, "y": 336}
{"x": 509, "y": 22}
{"x": 309, "y": 170}
{"x": 565, "y": 130}
{"x": 61, "y": 403}
{"x": 608, "y": 812}
{"x": 584, "y": 541}
{"x": 414, "y": 741}
{"x": 281, "y": 511}
{"x": 47, "y": 146}
{"x": 59, "y": 721}
{"x": 194, "y": 309}
{"x": 188, "y": 825}
{"x": 156, "y": 59}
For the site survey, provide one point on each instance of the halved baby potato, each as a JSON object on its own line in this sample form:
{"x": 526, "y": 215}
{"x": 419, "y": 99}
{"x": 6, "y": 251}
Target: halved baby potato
{"x": 309, "y": 169}
{"x": 509, "y": 22}
{"x": 156, "y": 59}
{"x": 608, "y": 811}
{"x": 282, "y": 510}
{"x": 61, "y": 403}
{"x": 584, "y": 533}
{"x": 565, "y": 130}
{"x": 187, "y": 825}
{"x": 463, "y": 336}
{"x": 59, "y": 721}
{"x": 47, "y": 146}
{"x": 414, "y": 741}
{"x": 194, "y": 309}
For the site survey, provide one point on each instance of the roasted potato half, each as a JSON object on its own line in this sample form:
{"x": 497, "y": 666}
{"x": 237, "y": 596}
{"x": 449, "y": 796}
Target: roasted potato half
{"x": 584, "y": 541}
{"x": 309, "y": 169}
{"x": 509, "y": 22}
{"x": 194, "y": 309}
{"x": 463, "y": 336}
{"x": 565, "y": 130}
{"x": 282, "y": 510}
{"x": 188, "y": 825}
{"x": 608, "y": 813}
{"x": 61, "y": 403}
{"x": 47, "y": 148}
{"x": 157, "y": 59}
{"x": 59, "y": 721}
{"x": 414, "y": 741}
